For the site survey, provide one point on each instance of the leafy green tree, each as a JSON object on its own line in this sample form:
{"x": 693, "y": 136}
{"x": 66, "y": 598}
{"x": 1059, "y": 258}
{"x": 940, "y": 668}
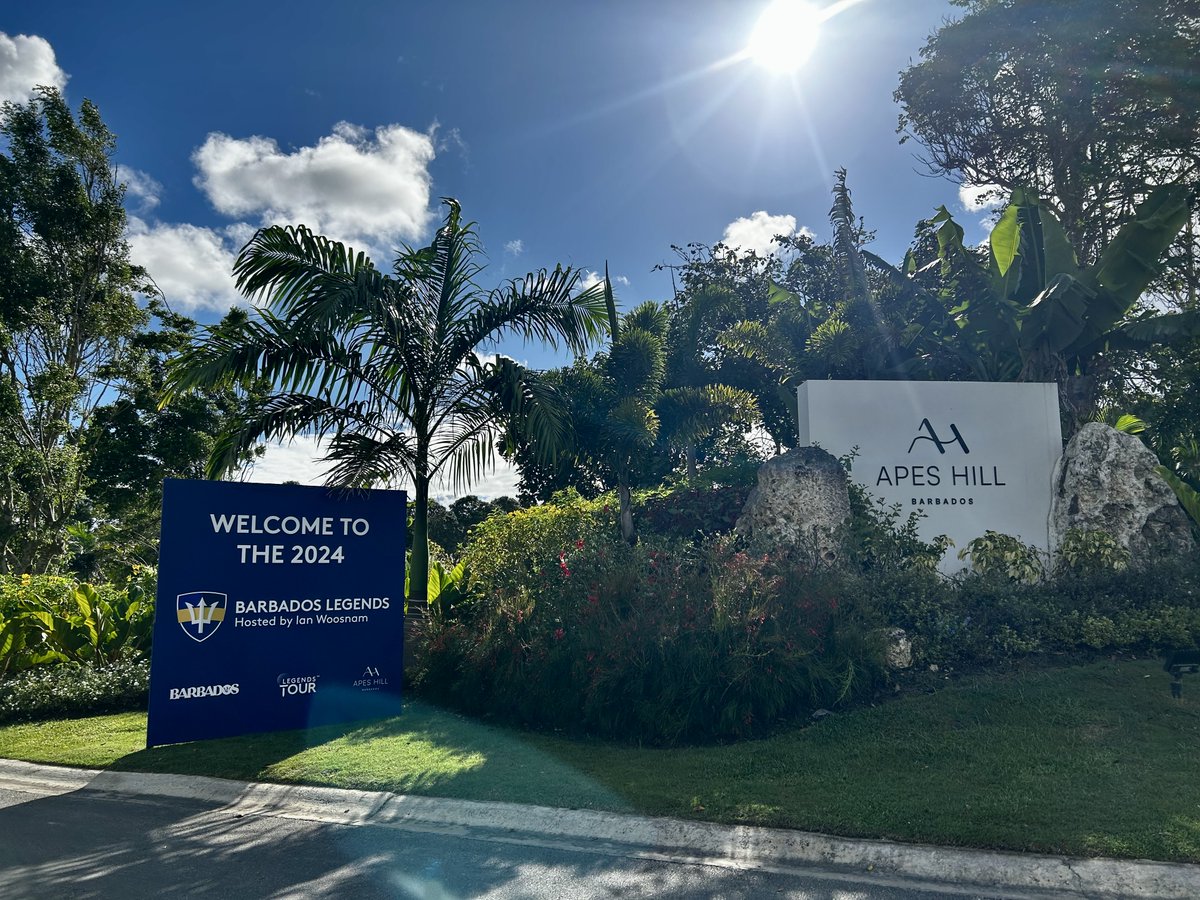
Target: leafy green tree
{"x": 1089, "y": 104}
{"x": 132, "y": 443}
{"x": 68, "y": 315}
{"x": 388, "y": 367}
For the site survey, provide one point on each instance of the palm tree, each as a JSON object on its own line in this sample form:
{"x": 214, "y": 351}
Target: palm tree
{"x": 387, "y": 367}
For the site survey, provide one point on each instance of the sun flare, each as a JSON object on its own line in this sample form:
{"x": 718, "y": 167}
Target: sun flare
{"x": 785, "y": 35}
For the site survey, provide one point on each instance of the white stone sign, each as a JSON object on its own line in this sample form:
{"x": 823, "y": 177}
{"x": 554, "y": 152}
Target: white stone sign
{"x": 971, "y": 456}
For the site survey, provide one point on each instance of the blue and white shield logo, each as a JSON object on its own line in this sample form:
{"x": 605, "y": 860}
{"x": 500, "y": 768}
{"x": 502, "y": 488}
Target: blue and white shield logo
{"x": 200, "y": 613}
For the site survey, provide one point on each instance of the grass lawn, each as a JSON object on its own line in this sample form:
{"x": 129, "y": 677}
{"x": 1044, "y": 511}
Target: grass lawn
{"x": 1087, "y": 760}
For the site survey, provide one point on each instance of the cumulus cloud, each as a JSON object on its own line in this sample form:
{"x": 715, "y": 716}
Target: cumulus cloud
{"x": 141, "y": 187}
{"x": 977, "y": 198}
{"x": 757, "y": 231}
{"x": 191, "y": 265}
{"x": 591, "y": 279}
{"x": 515, "y": 247}
{"x": 355, "y": 185}
{"x": 27, "y": 60}
{"x": 299, "y": 460}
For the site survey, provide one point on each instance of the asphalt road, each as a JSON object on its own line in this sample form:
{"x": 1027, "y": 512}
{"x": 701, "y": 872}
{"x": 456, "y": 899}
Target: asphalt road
{"x": 87, "y": 843}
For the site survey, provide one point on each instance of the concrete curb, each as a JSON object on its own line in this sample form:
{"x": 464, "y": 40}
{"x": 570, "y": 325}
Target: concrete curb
{"x": 743, "y": 846}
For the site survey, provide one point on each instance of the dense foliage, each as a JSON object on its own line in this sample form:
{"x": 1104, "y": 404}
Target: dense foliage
{"x": 567, "y": 627}
{"x": 688, "y": 637}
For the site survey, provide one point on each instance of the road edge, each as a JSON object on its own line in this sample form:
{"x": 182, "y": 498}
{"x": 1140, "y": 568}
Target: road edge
{"x": 746, "y": 846}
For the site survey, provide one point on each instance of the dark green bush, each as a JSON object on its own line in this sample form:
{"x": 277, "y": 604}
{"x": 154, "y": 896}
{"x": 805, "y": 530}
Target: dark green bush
{"x": 986, "y": 619}
{"x": 48, "y": 692}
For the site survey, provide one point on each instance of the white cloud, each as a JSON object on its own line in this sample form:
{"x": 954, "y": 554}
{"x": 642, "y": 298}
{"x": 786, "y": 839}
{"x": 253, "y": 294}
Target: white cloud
{"x": 515, "y": 247}
{"x": 977, "y": 198}
{"x": 756, "y": 232}
{"x": 591, "y": 279}
{"x": 369, "y": 188}
{"x": 191, "y": 265}
{"x": 26, "y": 61}
{"x": 140, "y": 186}
{"x": 297, "y": 460}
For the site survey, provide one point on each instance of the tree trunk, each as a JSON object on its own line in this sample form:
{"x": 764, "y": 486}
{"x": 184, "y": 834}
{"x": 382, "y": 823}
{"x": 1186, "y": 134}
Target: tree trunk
{"x": 418, "y": 566}
{"x": 690, "y": 451}
{"x": 626, "y": 508}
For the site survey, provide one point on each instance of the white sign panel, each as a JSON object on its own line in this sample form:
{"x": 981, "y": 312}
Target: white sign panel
{"x": 971, "y": 456}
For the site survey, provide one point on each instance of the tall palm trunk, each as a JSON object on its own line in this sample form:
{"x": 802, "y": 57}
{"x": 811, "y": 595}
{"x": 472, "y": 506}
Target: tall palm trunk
{"x": 418, "y": 565}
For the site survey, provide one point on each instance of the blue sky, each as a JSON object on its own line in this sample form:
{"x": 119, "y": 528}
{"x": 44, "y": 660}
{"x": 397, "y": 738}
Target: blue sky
{"x": 580, "y": 132}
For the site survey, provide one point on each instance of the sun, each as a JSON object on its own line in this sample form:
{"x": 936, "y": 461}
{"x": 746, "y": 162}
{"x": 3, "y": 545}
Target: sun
{"x": 785, "y": 35}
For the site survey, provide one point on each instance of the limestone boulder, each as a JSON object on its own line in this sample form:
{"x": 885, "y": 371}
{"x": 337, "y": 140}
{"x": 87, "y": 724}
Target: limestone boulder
{"x": 1106, "y": 481}
{"x": 801, "y": 500}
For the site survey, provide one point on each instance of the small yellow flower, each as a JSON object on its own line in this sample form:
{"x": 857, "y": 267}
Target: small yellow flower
{"x": 26, "y": 579}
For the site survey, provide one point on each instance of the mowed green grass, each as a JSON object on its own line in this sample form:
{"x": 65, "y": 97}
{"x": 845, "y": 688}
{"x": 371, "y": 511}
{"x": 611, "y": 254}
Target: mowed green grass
{"x": 1086, "y": 760}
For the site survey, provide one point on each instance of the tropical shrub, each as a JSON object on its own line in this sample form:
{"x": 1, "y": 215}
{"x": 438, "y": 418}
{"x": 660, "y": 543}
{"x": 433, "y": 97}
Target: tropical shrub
{"x": 991, "y": 618}
{"x": 1004, "y": 555}
{"x": 1088, "y": 551}
{"x": 48, "y": 619}
{"x": 661, "y": 642}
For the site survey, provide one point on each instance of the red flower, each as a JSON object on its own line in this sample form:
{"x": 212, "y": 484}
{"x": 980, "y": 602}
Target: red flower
{"x": 813, "y": 632}
{"x": 579, "y": 544}
{"x": 590, "y": 656}
{"x": 593, "y": 599}
{"x": 558, "y": 634}
{"x": 833, "y": 604}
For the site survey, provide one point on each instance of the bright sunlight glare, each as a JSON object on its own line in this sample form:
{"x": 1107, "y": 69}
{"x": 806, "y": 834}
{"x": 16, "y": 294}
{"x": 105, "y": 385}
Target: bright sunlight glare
{"x": 785, "y": 35}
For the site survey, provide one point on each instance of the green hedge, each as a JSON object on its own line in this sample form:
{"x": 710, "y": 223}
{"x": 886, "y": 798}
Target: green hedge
{"x": 71, "y": 689}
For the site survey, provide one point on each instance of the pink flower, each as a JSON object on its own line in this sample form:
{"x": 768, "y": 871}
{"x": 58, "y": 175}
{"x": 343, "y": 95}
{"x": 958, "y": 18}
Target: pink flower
{"x": 579, "y": 544}
{"x": 558, "y": 634}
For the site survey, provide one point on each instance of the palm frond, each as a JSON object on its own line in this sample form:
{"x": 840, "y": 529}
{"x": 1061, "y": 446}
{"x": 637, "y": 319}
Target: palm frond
{"x": 544, "y": 306}
{"x": 363, "y": 459}
{"x": 280, "y": 417}
{"x": 845, "y": 240}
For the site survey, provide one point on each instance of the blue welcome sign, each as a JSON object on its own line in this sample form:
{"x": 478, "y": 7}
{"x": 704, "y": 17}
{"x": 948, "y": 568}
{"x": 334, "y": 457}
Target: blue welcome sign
{"x": 279, "y": 607}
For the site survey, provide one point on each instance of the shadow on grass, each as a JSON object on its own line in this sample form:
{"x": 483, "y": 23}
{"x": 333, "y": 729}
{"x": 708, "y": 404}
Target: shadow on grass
{"x": 424, "y": 751}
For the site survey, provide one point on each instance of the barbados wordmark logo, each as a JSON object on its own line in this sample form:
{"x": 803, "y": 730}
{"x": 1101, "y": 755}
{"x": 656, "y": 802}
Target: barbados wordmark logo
{"x": 200, "y": 613}
{"x": 932, "y": 436}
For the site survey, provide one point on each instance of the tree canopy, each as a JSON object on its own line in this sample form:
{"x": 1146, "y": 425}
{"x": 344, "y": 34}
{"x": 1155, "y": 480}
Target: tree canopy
{"x": 1089, "y": 104}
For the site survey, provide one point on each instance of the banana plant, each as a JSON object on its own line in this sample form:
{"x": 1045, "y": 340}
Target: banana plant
{"x": 89, "y": 630}
{"x": 1031, "y": 312}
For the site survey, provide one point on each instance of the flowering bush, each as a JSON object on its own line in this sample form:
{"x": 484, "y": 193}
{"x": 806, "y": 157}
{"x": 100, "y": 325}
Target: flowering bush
{"x": 71, "y": 689}
{"x": 662, "y": 642}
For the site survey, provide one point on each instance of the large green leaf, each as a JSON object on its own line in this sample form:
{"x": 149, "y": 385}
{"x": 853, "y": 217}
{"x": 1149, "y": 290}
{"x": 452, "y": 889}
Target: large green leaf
{"x": 1005, "y": 239}
{"x": 1166, "y": 329}
{"x": 1059, "y": 255}
{"x": 1058, "y": 317}
{"x": 1134, "y": 257}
